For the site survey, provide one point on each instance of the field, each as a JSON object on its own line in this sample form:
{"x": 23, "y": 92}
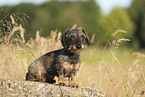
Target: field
{"x": 117, "y": 71}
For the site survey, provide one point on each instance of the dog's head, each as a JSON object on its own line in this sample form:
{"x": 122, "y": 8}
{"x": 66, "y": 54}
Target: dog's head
{"x": 73, "y": 39}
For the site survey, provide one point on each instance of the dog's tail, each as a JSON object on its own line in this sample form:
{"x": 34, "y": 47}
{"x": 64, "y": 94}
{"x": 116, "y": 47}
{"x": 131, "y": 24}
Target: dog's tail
{"x": 27, "y": 76}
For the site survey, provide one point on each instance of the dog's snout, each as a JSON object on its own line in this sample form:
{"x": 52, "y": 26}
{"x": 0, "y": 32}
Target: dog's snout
{"x": 78, "y": 46}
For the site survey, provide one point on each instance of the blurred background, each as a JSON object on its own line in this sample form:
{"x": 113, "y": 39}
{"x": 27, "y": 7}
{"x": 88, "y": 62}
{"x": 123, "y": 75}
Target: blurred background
{"x": 100, "y": 18}
{"x": 112, "y": 64}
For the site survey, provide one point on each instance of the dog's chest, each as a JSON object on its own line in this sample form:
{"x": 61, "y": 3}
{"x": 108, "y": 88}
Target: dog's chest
{"x": 70, "y": 67}
{"x": 70, "y": 64}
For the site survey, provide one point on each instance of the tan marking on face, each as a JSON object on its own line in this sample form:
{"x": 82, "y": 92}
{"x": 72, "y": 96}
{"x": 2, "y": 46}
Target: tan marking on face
{"x": 73, "y": 49}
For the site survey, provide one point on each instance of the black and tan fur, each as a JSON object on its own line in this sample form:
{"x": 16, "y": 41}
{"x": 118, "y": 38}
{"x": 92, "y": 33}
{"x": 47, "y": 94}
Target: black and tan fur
{"x": 63, "y": 63}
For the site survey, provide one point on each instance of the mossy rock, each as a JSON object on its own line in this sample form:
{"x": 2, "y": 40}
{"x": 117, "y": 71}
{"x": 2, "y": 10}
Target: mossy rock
{"x": 19, "y": 88}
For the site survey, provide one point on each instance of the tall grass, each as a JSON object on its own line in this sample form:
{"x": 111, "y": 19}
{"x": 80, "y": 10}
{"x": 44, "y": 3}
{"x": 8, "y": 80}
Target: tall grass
{"x": 117, "y": 72}
{"x": 118, "y": 77}
{"x": 17, "y": 53}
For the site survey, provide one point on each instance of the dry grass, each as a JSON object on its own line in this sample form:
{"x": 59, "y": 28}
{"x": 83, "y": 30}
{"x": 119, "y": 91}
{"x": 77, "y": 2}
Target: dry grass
{"x": 117, "y": 78}
{"x": 17, "y": 54}
{"x": 119, "y": 73}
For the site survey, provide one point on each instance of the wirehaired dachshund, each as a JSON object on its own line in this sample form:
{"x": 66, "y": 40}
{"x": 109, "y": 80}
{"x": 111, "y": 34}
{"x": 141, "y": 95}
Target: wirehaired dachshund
{"x": 62, "y": 63}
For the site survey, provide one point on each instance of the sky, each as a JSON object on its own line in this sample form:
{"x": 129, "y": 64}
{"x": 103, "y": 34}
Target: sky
{"x": 105, "y": 5}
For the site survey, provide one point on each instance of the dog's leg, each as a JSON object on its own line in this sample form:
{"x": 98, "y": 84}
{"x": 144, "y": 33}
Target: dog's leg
{"x": 72, "y": 81}
{"x": 36, "y": 77}
{"x": 61, "y": 79}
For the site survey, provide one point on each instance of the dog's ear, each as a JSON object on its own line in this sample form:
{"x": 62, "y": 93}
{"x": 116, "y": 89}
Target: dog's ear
{"x": 63, "y": 38}
{"x": 86, "y": 38}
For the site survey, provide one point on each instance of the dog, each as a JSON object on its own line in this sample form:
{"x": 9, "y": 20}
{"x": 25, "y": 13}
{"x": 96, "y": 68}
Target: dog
{"x": 63, "y": 63}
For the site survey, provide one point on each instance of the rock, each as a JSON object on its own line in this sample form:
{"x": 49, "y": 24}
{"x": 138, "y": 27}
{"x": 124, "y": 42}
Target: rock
{"x": 19, "y": 88}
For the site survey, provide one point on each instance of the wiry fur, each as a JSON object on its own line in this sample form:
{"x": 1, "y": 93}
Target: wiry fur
{"x": 61, "y": 63}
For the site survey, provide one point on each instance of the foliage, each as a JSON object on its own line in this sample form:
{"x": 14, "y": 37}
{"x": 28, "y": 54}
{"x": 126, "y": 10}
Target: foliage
{"x": 62, "y": 15}
{"x": 137, "y": 14}
{"x": 117, "y": 19}
{"x": 57, "y": 15}
{"x": 115, "y": 72}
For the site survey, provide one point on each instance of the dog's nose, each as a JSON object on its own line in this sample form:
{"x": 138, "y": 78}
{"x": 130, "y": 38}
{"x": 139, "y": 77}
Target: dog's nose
{"x": 78, "y": 46}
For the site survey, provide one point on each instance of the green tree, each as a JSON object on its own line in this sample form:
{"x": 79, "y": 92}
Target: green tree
{"x": 137, "y": 14}
{"x": 63, "y": 15}
{"x": 116, "y": 20}
{"x": 59, "y": 15}
{"x": 26, "y": 20}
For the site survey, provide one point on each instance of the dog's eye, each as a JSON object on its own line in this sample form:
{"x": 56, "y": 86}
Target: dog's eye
{"x": 82, "y": 37}
{"x": 71, "y": 36}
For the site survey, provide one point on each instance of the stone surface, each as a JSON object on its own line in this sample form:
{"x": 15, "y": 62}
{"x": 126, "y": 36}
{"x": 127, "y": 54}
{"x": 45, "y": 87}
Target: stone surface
{"x": 19, "y": 88}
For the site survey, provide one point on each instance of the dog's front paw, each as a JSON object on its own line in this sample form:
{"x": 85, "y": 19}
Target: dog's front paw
{"x": 62, "y": 81}
{"x": 73, "y": 84}
{"x": 62, "y": 84}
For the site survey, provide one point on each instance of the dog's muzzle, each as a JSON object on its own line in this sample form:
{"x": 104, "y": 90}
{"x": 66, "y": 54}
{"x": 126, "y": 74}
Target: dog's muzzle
{"x": 79, "y": 46}
{"x": 76, "y": 48}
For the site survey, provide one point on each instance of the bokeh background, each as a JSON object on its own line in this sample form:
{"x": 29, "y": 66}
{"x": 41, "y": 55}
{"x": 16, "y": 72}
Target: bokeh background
{"x": 114, "y": 63}
{"x": 99, "y": 17}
